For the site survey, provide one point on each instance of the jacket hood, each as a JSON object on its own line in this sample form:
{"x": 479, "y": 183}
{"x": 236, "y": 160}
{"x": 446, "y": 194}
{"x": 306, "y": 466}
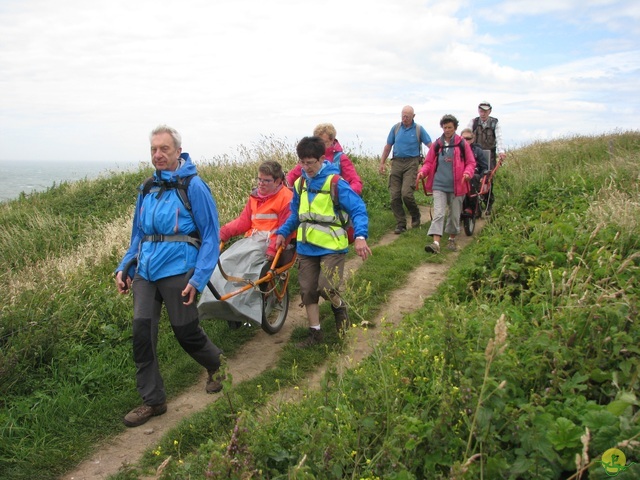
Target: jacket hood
{"x": 185, "y": 169}
{"x": 335, "y": 147}
{"x": 328, "y": 168}
{"x": 254, "y": 193}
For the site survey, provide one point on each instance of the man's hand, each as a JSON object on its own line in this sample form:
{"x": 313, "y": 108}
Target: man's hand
{"x": 279, "y": 242}
{"x": 383, "y": 167}
{"x": 362, "y": 249}
{"x": 189, "y": 294}
{"x": 123, "y": 286}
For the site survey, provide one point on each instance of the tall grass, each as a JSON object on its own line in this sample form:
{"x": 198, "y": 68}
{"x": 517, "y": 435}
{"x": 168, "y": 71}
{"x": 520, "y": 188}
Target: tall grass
{"x": 66, "y": 373}
{"x": 555, "y": 273}
{"x": 560, "y": 261}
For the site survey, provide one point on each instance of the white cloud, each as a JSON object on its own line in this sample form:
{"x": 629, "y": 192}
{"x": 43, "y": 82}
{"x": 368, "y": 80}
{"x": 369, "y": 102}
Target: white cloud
{"x": 89, "y": 80}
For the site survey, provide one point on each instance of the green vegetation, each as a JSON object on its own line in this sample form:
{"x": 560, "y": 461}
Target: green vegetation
{"x": 524, "y": 365}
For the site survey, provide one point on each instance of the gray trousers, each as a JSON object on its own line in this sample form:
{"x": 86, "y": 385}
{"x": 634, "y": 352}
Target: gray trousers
{"x": 440, "y": 202}
{"x": 402, "y": 185}
{"x": 148, "y": 298}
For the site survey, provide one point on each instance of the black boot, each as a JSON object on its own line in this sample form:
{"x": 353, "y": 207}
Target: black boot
{"x": 315, "y": 337}
{"x": 342, "y": 318}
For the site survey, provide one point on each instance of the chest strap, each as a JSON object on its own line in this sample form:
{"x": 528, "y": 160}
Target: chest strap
{"x": 173, "y": 238}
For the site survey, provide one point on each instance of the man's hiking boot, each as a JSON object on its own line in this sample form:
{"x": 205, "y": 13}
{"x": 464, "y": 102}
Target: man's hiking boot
{"x": 400, "y": 229}
{"x": 214, "y": 381}
{"x": 141, "y": 414}
{"x": 452, "y": 245}
{"x": 415, "y": 222}
{"x": 342, "y": 318}
{"x": 432, "y": 248}
{"x": 315, "y": 337}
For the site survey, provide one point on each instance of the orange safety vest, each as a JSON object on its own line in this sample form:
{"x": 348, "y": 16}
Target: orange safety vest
{"x": 265, "y": 213}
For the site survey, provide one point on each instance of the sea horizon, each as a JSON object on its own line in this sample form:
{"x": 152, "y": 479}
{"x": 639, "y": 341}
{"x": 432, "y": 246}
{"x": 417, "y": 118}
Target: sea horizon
{"x": 31, "y": 176}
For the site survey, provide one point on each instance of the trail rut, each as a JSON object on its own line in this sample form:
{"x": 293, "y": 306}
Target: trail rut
{"x": 128, "y": 447}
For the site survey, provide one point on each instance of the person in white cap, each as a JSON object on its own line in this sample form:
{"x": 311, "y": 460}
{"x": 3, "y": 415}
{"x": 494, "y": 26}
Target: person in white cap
{"x": 488, "y": 133}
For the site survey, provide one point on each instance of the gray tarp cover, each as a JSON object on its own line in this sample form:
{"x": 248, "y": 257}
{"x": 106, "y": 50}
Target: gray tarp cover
{"x": 244, "y": 259}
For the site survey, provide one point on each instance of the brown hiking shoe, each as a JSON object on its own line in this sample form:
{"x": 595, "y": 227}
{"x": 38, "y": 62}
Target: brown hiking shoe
{"x": 415, "y": 221}
{"x": 214, "y": 382}
{"x": 342, "y": 318}
{"x": 315, "y": 337}
{"x": 432, "y": 248}
{"x": 141, "y": 414}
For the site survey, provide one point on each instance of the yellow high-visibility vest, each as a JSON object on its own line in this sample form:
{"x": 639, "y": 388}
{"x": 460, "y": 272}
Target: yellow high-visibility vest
{"x": 319, "y": 224}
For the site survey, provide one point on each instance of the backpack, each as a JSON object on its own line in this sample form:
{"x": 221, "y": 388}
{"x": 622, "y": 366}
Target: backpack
{"x": 439, "y": 146}
{"x": 336, "y": 159}
{"x": 397, "y": 129}
{"x": 182, "y": 185}
{"x": 333, "y": 191}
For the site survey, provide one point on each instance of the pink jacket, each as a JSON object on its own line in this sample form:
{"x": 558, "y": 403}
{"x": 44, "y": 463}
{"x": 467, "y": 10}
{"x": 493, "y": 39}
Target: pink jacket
{"x": 347, "y": 170}
{"x": 460, "y": 166}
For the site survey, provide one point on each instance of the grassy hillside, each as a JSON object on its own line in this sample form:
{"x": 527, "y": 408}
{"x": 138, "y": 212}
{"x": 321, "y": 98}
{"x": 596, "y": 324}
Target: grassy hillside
{"x": 525, "y": 365}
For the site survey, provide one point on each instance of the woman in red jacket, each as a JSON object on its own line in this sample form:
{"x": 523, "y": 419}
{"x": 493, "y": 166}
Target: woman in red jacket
{"x": 333, "y": 152}
{"x": 447, "y": 169}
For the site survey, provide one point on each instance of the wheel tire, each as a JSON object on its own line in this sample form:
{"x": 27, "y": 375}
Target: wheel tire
{"x": 233, "y": 325}
{"x": 274, "y": 312}
{"x": 469, "y": 223}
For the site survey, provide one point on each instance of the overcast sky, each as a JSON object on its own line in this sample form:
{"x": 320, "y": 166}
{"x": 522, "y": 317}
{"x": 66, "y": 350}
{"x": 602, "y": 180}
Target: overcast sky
{"x": 88, "y": 80}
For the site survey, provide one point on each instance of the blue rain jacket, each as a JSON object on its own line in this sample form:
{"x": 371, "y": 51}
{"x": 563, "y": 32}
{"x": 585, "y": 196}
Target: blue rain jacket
{"x": 349, "y": 201}
{"x": 167, "y": 215}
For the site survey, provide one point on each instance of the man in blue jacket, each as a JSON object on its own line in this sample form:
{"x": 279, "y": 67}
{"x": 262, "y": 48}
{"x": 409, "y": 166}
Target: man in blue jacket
{"x": 175, "y": 239}
{"x": 322, "y": 239}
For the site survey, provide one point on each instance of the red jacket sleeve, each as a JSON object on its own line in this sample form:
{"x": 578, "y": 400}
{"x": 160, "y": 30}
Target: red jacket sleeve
{"x": 427, "y": 167}
{"x": 294, "y": 174}
{"x": 239, "y": 226}
{"x": 349, "y": 173}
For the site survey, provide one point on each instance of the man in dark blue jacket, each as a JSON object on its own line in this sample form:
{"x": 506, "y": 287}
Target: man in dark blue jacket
{"x": 175, "y": 239}
{"x": 482, "y": 162}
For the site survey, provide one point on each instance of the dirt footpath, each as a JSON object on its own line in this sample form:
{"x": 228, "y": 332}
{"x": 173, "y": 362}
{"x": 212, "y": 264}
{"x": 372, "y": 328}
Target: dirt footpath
{"x": 128, "y": 447}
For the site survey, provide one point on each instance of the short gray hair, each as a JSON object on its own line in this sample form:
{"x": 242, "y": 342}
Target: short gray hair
{"x": 177, "y": 139}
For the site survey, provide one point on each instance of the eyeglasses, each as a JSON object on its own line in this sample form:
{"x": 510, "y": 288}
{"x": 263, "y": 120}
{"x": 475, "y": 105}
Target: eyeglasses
{"x": 308, "y": 164}
{"x": 264, "y": 180}
{"x": 468, "y": 138}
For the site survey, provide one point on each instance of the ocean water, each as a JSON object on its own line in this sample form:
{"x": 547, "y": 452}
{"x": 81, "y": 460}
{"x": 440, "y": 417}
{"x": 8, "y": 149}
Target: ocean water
{"x": 38, "y": 176}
